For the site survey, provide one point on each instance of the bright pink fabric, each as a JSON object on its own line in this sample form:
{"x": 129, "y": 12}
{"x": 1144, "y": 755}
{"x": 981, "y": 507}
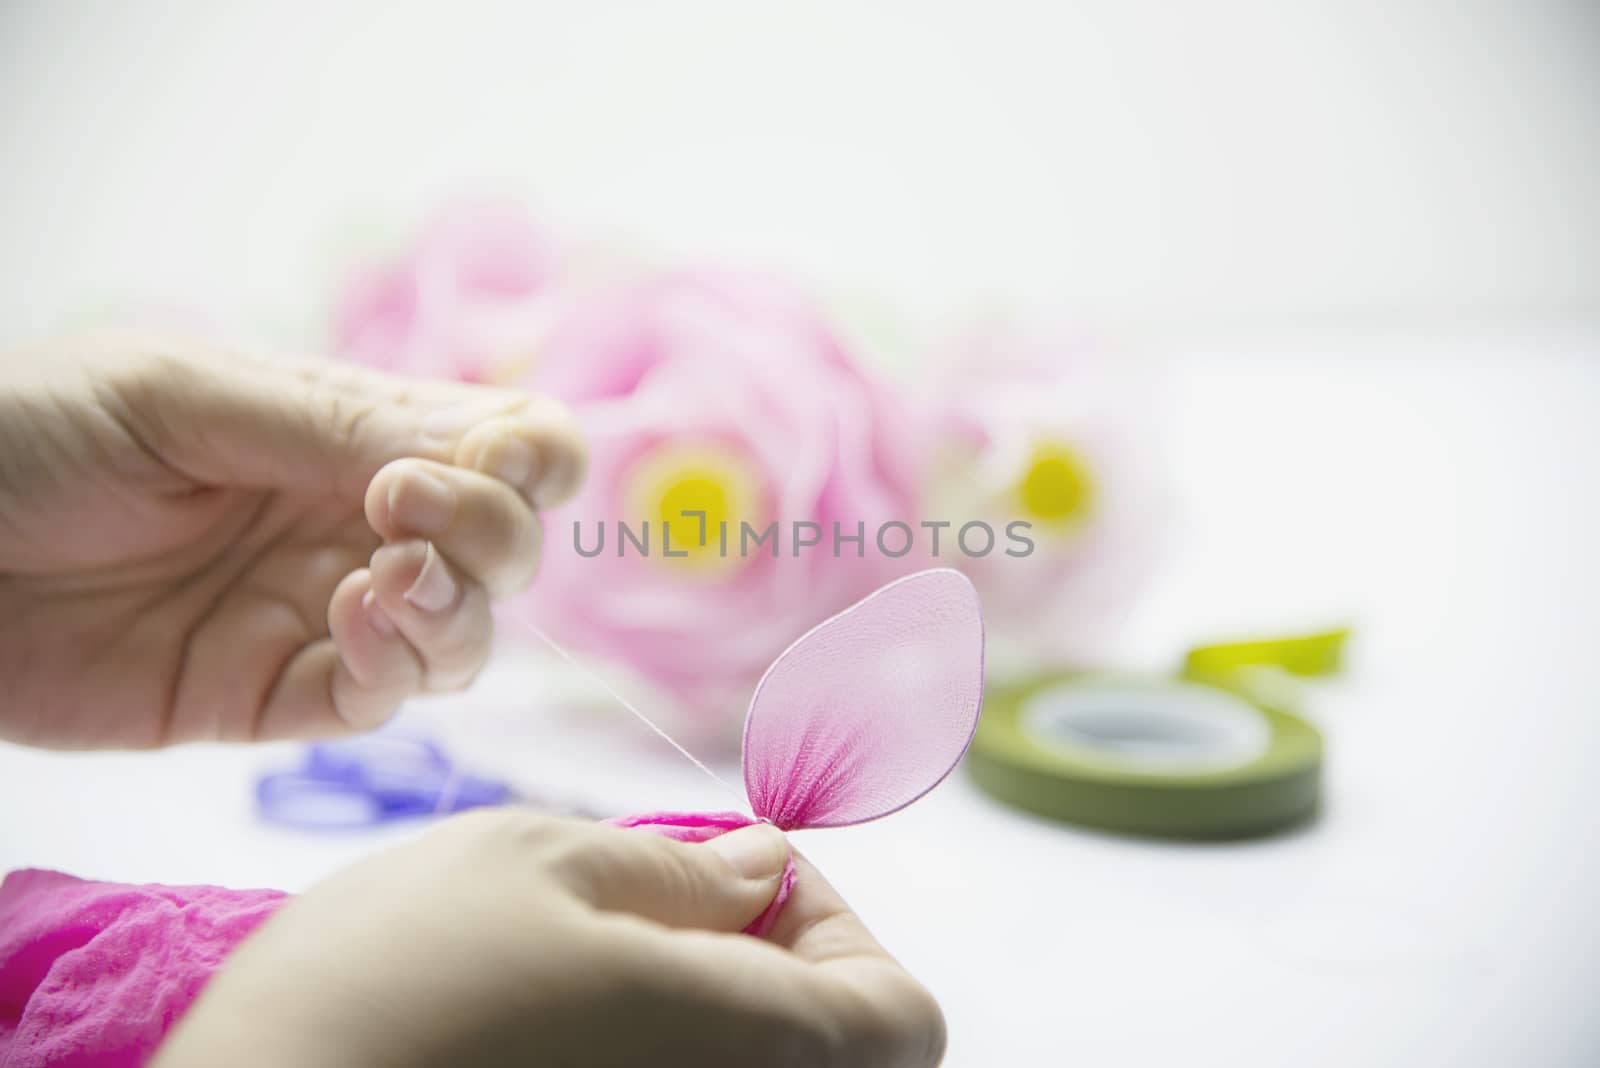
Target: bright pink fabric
{"x": 93, "y": 975}
{"x": 701, "y": 827}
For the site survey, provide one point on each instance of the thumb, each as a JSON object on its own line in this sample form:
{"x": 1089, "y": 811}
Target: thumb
{"x": 722, "y": 884}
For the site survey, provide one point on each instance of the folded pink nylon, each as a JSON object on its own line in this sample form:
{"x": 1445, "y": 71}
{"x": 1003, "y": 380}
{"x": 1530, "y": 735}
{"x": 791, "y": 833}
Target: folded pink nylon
{"x": 93, "y": 975}
{"x": 701, "y": 827}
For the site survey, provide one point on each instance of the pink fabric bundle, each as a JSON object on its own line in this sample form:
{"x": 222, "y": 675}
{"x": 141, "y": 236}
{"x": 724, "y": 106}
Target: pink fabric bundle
{"x": 861, "y": 716}
{"x": 93, "y": 974}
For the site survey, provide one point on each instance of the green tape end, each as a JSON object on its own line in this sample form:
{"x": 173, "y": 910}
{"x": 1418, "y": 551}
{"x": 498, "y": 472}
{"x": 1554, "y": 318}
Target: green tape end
{"x": 1307, "y": 655}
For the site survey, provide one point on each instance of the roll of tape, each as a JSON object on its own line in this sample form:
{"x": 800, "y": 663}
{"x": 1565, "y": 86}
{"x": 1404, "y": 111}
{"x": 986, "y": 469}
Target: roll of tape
{"x": 1177, "y": 758}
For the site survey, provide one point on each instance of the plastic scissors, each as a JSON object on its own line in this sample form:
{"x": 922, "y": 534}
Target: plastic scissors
{"x": 371, "y": 780}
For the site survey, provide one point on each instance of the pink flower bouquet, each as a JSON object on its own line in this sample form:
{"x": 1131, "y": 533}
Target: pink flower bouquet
{"x": 749, "y": 476}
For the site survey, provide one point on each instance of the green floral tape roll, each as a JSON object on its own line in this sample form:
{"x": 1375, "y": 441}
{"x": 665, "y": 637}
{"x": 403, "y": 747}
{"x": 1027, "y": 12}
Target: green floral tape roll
{"x": 1176, "y": 758}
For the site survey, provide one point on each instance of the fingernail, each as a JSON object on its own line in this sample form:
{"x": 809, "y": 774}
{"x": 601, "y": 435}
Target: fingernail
{"x": 434, "y": 590}
{"x": 376, "y": 616}
{"x": 759, "y": 851}
{"x": 421, "y": 502}
{"x": 513, "y": 463}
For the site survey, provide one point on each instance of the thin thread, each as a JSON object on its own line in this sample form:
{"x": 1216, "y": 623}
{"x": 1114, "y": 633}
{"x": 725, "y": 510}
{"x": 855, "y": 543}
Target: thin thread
{"x": 625, "y": 703}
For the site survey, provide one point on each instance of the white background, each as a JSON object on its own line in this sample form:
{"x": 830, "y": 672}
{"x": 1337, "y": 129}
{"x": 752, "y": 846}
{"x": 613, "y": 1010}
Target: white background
{"x": 1360, "y": 236}
{"x": 1229, "y": 163}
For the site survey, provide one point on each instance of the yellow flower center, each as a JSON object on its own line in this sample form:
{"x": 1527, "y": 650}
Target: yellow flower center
{"x": 669, "y": 488}
{"x": 1056, "y": 488}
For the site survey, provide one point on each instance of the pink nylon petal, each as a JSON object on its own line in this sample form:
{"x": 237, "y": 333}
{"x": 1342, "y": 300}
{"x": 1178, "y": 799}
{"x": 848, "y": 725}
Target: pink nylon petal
{"x": 703, "y": 826}
{"x": 869, "y": 710}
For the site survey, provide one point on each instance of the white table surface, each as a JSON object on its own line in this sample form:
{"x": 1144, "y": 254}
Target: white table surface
{"x": 1439, "y": 491}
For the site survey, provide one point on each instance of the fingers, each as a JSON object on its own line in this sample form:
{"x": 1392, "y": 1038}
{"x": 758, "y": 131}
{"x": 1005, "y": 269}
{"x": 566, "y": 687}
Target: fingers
{"x": 409, "y": 623}
{"x": 835, "y": 993}
{"x": 353, "y": 680}
{"x": 531, "y": 443}
{"x": 317, "y": 426}
{"x": 265, "y": 618}
{"x": 231, "y": 422}
{"x": 540, "y": 453}
{"x": 719, "y": 885}
{"x": 817, "y": 925}
{"x": 453, "y": 537}
{"x": 480, "y": 523}
{"x": 822, "y": 982}
{"x": 891, "y": 1010}
{"x": 829, "y": 996}
{"x": 436, "y": 608}
{"x": 458, "y": 467}
{"x": 378, "y": 668}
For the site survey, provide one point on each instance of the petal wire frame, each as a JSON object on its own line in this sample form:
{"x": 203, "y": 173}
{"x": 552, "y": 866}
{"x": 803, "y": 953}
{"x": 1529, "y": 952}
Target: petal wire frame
{"x": 870, "y": 709}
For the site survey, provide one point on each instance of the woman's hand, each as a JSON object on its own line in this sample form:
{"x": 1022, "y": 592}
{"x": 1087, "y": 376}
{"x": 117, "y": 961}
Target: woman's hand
{"x": 508, "y": 938}
{"x": 206, "y": 545}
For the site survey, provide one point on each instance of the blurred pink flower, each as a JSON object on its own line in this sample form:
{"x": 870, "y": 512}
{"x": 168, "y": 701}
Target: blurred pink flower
{"x": 729, "y": 394}
{"x": 726, "y": 394}
{"x": 1038, "y": 427}
{"x": 462, "y": 302}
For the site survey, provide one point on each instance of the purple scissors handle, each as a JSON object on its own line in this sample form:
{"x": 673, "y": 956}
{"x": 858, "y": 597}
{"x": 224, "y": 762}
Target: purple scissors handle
{"x": 367, "y": 781}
